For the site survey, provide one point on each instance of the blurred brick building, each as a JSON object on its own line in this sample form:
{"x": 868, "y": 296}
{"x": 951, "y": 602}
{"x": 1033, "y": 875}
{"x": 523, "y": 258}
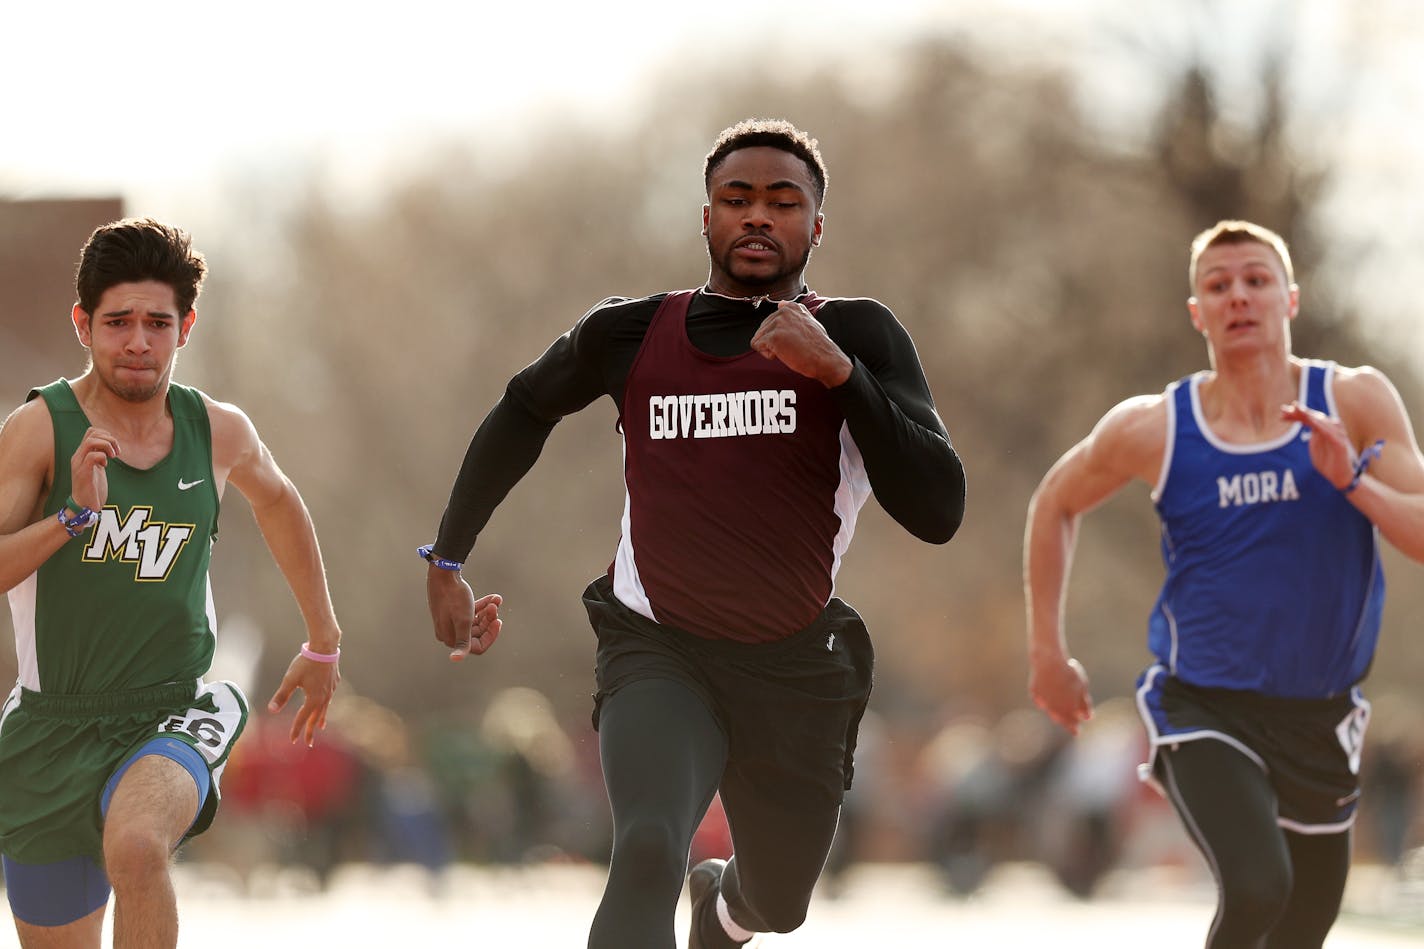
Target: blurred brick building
{"x": 39, "y": 247}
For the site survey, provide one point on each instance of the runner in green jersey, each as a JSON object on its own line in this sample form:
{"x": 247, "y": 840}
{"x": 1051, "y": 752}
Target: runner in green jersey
{"x": 111, "y": 743}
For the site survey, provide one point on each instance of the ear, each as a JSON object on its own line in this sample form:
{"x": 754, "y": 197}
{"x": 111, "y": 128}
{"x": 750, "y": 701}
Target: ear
{"x": 817, "y": 230}
{"x": 1196, "y": 314}
{"x": 706, "y": 218}
{"x": 83, "y": 326}
{"x": 186, "y": 327}
{"x": 1294, "y": 306}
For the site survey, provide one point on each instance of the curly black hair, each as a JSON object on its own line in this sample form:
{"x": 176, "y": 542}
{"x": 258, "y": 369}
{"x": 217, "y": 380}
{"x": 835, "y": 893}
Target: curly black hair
{"x": 773, "y": 133}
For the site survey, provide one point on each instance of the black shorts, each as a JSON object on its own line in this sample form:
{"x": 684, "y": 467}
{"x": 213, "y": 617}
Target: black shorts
{"x": 1309, "y": 748}
{"x": 790, "y": 710}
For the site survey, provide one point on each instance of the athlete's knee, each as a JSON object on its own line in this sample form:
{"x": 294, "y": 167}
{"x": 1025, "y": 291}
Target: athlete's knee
{"x": 768, "y": 917}
{"x": 652, "y": 849}
{"x": 134, "y": 856}
{"x": 1258, "y": 894}
{"x": 766, "y": 906}
{"x": 782, "y": 917}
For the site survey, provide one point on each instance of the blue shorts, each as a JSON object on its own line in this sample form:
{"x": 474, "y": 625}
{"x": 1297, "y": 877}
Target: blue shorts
{"x": 59, "y": 893}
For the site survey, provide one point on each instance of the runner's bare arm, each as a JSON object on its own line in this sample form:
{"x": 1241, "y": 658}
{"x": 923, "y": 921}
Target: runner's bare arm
{"x": 1391, "y": 491}
{"x": 241, "y": 459}
{"x": 30, "y": 535}
{"x": 1126, "y": 444}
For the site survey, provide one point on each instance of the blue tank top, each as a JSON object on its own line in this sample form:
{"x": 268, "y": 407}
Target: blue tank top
{"x": 1273, "y": 578}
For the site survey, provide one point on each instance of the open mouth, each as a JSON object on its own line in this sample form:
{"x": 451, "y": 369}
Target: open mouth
{"x": 755, "y": 246}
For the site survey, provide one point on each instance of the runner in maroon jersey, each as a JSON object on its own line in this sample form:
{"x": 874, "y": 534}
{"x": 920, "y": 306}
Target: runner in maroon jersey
{"x": 756, "y": 418}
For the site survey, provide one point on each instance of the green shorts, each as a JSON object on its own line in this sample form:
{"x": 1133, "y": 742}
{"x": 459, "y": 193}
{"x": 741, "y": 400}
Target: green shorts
{"x": 58, "y": 751}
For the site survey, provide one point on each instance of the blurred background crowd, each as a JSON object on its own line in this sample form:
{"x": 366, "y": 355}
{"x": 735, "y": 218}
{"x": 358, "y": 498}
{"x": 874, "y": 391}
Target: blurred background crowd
{"x": 520, "y": 787}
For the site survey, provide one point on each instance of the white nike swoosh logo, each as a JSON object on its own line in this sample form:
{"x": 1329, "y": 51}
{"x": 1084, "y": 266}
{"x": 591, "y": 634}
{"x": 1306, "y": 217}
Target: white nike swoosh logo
{"x": 185, "y": 485}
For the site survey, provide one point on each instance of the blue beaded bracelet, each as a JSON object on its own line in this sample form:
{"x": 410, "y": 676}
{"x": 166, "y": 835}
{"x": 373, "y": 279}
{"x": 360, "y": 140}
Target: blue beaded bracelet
{"x": 1366, "y": 456}
{"x": 74, "y": 526}
{"x": 427, "y": 553}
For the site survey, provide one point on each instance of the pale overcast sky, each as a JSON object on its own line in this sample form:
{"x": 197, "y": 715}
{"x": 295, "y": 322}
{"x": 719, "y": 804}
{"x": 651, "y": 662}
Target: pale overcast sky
{"x": 102, "y": 95}
{"x": 165, "y": 103}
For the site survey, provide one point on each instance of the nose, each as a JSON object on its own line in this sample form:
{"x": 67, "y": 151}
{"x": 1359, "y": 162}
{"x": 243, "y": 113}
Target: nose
{"x": 138, "y": 340}
{"x": 757, "y": 217}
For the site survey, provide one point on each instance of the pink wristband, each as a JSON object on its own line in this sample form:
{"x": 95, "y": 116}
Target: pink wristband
{"x": 307, "y": 653}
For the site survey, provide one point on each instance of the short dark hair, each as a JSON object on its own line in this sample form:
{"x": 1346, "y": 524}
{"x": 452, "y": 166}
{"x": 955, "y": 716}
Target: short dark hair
{"x": 137, "y": 249}
{"x": 772, "y": 133}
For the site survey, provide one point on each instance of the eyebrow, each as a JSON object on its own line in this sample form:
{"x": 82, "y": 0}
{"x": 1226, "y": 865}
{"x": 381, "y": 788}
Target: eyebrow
{"x": 1221, "y": 268}
{"x": 780, "y": 185}
{"x": 161, "y": 314}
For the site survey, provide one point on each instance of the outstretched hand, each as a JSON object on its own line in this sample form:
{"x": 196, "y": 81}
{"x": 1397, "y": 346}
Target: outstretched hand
{"x": 1060, "y": 688}
{"x": 317, "y": 680}
{"x": 463, "y": 623}
{"x": 1331, "y": 451}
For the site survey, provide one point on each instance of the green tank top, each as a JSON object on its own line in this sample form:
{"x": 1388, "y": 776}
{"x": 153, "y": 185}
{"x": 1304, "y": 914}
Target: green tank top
{"x": 127, "y": 604}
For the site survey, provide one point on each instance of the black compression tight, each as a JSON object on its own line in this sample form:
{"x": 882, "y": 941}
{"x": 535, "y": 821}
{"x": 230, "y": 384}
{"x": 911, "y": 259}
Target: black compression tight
{"x": 1275, "y": 888}
{"x": 663, "y": 756}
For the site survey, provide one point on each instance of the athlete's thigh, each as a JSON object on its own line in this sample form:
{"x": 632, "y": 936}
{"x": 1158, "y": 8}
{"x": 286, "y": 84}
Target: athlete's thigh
{"x": 84, "y": 933}
{"x": 1227, "y": 804}
{"x": 662, "y": 749}
{"x": 155, "y": 795}
{"x": 781, "y": 841}
{"x": 57, "y": 893}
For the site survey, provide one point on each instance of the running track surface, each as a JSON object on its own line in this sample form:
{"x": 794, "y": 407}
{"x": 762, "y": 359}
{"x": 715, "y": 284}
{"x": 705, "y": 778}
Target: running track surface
{"x": 879, "y": 905}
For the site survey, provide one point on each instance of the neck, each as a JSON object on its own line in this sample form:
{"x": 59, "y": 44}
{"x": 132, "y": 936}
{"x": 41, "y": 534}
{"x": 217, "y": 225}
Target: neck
{"x": 1251, "y": 391}
{"x": 756, "y": 295}
{"x": 1249, "y": 367}
{"x": 107, "y": 409}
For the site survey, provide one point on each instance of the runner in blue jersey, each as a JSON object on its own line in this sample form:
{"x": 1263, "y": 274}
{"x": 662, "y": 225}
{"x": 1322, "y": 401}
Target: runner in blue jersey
{"x": 1274, "y": 477}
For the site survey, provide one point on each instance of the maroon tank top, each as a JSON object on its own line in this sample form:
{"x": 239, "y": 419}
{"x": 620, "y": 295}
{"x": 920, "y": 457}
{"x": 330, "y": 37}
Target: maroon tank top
{"x": 742, "y": 488}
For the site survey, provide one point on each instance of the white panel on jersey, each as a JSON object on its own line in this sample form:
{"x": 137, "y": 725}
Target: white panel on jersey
{"x": 627, "y": 585}
{"x": 850, "y": 497}
{"x": 212, "y": 609}
{"x": 22, "y": 617}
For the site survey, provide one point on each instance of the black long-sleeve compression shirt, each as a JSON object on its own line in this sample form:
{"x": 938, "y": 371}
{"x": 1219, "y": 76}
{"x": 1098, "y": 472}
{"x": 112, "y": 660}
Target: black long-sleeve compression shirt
{"x": 913, "y": 469}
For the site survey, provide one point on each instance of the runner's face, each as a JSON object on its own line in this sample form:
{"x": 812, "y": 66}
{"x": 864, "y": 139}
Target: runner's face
{"x": 761, "y": 221}
{"x": 133, "y": 337}
{"x": 1242, "y": 298}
